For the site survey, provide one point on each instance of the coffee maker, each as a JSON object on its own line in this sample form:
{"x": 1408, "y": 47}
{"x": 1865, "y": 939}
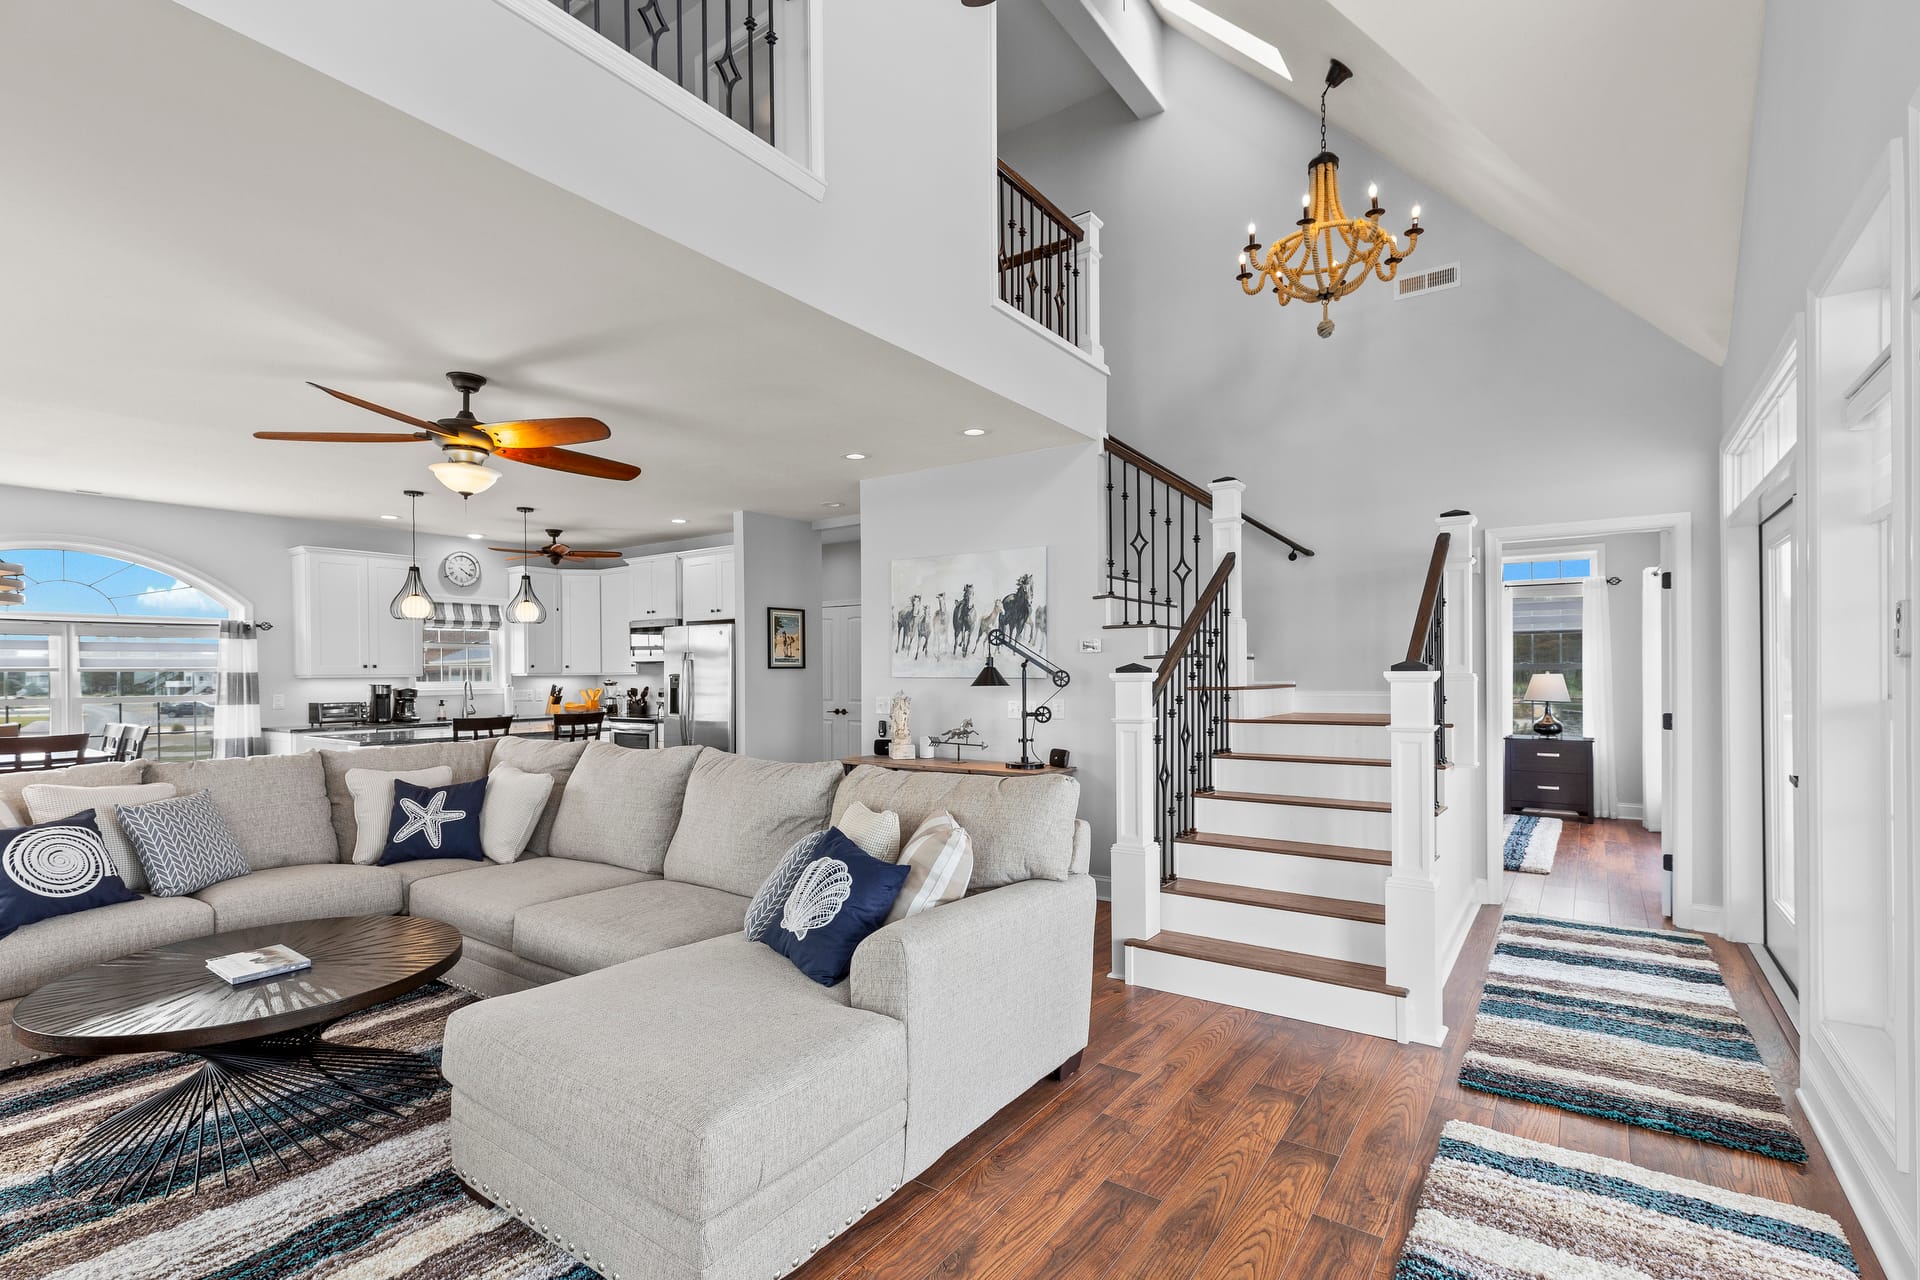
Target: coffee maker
{"x": 403, "y": 708}
{"x": 380, "y": 706}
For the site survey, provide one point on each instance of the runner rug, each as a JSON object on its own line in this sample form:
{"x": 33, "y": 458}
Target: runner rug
{"x": 1497, "y": 1207}
{"x": 1627, "y": 1024}
{"x": 383, "y": 1204}
{"x": 1530, "y": 843}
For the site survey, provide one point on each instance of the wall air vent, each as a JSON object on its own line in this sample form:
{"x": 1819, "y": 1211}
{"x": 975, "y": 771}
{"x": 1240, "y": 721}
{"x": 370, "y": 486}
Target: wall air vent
{"x": 1447, "y": 277}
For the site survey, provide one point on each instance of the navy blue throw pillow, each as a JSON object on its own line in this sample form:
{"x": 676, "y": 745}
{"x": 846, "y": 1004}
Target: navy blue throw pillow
{"x": 839, "y": 898}
{"x": 434, "y": 822}
{"x": 54, "y": 869}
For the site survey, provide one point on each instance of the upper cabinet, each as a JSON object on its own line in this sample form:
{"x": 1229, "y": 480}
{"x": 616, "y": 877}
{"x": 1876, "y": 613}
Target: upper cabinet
{"x": 580, "y": 623}
{"x": 343, "y": 624}
{"x": 616, "y": 607}
{"x": 584, "y": 637}
{"x": 533, "y": 648}
{"x": 654, "y": 590}
{"x": 706, "y": 585}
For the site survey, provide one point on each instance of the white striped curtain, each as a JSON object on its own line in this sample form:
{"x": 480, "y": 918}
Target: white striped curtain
{"x": 452, "y": 614}
{"x": 236, "y": 708}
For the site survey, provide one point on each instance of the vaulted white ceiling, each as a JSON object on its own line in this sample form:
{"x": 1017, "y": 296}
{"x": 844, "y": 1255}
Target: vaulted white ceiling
{"x": 1611, "y": 138}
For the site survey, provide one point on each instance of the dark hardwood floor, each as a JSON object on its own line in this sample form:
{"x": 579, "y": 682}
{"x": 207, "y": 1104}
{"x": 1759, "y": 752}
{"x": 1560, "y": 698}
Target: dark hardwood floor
{"x": 1206, "y": 1141}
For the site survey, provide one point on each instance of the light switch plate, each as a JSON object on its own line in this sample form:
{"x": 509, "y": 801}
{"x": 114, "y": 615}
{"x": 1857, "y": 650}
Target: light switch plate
{"x": 1013, "y": 709}
{"x": 1903, "y": 628}
{"x": 279, "y": 702}
{"x": 1090, "y": 644}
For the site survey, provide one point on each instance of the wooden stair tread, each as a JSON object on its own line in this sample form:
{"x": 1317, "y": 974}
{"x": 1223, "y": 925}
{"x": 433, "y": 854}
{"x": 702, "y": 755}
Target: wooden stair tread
{"x": 1243, "y": 688}
{"x": 1304, "y": 802}
{"x": 1168, "y": 625}
{"x": 1297, "y": 848}
{"x": 1276, "y": 757}
{"x": 1365, "y": 718}
{"x": 1291, "y": 964}
{"x": 1304, "y": 903}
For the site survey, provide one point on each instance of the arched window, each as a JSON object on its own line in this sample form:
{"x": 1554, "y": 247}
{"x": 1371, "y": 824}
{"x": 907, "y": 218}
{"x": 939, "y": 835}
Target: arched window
{"x": 92, "y": 585}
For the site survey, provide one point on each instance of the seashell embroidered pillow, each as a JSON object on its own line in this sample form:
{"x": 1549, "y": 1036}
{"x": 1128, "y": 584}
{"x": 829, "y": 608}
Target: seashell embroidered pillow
{"x": 837, "y": 898}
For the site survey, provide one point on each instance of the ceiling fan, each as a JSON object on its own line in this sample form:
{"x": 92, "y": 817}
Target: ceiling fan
{"x": 469, "y": 442}
{"x": 556, "y": 551}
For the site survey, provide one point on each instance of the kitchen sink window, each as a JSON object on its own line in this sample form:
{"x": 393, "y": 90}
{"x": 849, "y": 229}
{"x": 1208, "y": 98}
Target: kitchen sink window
{"x": 457, "y": 655}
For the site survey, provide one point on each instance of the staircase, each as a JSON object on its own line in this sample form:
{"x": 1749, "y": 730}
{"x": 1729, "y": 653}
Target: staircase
{"x": 1274, "y": 852}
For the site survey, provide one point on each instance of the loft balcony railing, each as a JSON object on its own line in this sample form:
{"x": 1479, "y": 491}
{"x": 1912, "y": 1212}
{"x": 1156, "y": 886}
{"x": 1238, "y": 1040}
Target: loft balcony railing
{"x": 1049, "y": 263}
{"x": 727, "y": 53}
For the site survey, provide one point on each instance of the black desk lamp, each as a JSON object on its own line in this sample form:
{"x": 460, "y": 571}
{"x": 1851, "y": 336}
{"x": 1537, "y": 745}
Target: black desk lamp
{"x": 990, "y": 678}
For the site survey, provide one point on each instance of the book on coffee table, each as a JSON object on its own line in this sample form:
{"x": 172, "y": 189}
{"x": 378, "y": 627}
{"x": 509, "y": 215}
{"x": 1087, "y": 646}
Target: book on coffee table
{"x": 262, "y": 962}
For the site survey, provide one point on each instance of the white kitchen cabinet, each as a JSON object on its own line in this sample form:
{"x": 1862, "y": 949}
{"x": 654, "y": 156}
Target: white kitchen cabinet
{"x": 654, "y": 589}
{"x": 343, "y": 624}
{"x": 580, "y": 625}
{"x": 616, "y": 608}
{"x": 706, "y": 585}
{"x": 534, "y": 648}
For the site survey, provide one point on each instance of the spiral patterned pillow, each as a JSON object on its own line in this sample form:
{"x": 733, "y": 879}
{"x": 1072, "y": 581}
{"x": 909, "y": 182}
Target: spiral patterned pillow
{"x": 55, "y": 869}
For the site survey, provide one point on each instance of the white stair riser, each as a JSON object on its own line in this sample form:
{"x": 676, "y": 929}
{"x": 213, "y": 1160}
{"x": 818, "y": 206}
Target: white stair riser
{"x": 1368, "y": 1012}
{"x": 1263, "y": 702}
{"x": 1286, "y": 872}
{"x": 1336, "y": 781}
{"x": 1294, "y": 822}
{"x": 1310, "y": 739}
{"x": 1269, "y": 927}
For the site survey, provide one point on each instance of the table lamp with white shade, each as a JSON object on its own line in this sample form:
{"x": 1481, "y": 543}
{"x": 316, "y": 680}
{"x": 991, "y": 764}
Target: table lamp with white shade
{"x": 1548, "y": 687}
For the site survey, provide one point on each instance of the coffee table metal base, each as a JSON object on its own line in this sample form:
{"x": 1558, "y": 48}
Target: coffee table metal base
{"x": 253, "y": 1107}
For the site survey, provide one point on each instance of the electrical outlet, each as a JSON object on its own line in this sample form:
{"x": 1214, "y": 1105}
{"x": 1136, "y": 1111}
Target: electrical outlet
{"x": 279, "y": 702}
{"x": 1013, "y": 709}
{"x": 883, "y": 705}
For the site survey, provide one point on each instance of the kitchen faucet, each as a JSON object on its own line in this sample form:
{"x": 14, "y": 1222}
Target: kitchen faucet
{"x": 466, "y": 700}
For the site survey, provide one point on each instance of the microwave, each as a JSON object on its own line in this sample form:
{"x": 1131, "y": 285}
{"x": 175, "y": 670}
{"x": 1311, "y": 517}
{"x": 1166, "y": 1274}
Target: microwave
{"x": 647, "y": 644}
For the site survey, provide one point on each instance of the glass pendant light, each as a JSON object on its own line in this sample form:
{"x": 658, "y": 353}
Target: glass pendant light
{"x": 525, "y": 606}
{"x": 413, "y": 604}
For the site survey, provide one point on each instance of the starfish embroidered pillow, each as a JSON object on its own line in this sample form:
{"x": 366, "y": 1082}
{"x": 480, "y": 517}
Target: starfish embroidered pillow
{"x": 837, "y": 899}
{"x": 435, "y": 822}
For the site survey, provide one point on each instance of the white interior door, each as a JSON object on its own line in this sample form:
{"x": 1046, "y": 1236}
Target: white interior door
{"x": 1780, "y": 777}
{"x": 840, "y": 659}
{"x": 1653, "y": 698}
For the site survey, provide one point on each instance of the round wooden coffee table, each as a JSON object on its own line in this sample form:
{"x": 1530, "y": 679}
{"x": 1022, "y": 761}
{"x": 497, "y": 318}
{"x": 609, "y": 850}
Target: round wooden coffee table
{"x": 267, "y": 1084}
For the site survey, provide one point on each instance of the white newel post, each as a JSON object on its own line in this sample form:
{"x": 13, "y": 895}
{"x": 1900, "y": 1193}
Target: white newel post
{"x": 1086, "y": 259}
{"x": 1413, "y": 902}
{"x": 1464, "y": 711}
{"x": 1134, "y": 864}
{"x": 1229, "y": 535}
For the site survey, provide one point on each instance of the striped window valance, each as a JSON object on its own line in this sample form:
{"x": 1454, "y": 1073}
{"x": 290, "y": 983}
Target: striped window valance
{"x": 460, "y": 613}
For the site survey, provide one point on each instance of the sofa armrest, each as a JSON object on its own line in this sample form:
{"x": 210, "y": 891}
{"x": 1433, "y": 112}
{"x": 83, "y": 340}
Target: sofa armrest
{"x": 995, "y": 991}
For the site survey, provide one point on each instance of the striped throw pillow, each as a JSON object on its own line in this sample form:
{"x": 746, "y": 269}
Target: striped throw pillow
{"x": 939, "y": 858}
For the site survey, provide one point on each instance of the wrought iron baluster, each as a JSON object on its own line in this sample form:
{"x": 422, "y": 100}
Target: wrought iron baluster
{"x": 773, "y": 68}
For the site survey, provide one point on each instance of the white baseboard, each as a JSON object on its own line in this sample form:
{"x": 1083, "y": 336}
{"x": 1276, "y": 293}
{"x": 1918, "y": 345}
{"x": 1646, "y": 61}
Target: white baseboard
{"x": 1700, "y": 919}
{"x": 1629, "y": 812}
{"x": 1877, "y": 1204}
{"x": 1103, "y": 888}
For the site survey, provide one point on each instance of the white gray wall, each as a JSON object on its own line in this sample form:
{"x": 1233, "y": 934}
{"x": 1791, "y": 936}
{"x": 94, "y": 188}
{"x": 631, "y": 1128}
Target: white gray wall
{"x": 1835, "y": 84}
{"x": 1049, "y": 498}
{"x": 1522, "y": 396}
{"x": 840, "y": 571}
{"x": 776, "y": 564}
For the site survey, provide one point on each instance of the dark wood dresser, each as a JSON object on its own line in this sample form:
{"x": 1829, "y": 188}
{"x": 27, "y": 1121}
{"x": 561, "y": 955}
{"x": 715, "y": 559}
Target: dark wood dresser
{"x": 1550, "y": 773}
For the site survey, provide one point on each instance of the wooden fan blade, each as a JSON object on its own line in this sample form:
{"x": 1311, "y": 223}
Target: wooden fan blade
{"x": 345, "y": 437}
{"x": 585, "y": 464}
{"x": 595, "y": 555}
{"x": 433, "y": 428}
{"x": 542, "y": 433}
{"x": 512, "y": 551}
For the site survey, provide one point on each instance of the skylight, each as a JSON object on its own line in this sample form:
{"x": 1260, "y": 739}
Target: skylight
{"x": 1238, "y": 39}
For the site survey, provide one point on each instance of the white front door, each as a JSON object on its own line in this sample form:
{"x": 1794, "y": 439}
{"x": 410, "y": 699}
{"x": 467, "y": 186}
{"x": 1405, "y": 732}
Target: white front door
{"x": 1780, "y": 777}
{"x": 840, "y": 683}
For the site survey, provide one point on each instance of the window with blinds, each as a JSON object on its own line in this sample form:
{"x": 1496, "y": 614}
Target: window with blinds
{"x": 27, "y": 671}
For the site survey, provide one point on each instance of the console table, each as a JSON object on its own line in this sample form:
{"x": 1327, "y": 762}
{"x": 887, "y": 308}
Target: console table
{"x": 995, "y": 768}
{"x": 1550, "y": 773}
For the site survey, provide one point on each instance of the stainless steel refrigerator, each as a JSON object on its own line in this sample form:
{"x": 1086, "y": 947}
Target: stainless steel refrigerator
{"x": 700, "y": 703}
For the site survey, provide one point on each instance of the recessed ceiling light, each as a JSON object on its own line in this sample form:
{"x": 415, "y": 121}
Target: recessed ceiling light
{"x": 476, "y": 536}
{"x": 389, "y": 517}
{"x": 679, "y": 520}
{"x": 974, "y": 431}
{"x": 833, "y": 504}
{"x": 856, "y": 457}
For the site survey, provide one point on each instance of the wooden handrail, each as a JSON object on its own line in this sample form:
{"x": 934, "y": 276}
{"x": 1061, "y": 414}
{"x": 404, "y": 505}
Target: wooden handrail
{"x": 1075, "y": 232}
{"x": 1127, "y": 453}
{"x": 1429, "y": 601}
{"x": 1035, "y": 254}
{"x": 1191, "y": 627}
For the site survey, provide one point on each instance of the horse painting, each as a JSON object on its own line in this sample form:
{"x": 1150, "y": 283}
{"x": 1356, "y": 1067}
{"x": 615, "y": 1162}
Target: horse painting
{"x": 944, "y": 608}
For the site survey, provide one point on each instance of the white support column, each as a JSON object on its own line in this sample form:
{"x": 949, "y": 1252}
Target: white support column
{"x": 1229, "y": 535}
{"x": 1466, "y": 742}
{"x": 1134, "y": 863}
{"x": 1413, "y": 927}
{"x": 1086, "y": 259}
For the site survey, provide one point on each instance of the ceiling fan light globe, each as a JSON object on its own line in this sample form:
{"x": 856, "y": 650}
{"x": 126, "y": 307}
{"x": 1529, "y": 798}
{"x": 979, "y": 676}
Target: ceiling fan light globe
{"x": 464, "y": 478}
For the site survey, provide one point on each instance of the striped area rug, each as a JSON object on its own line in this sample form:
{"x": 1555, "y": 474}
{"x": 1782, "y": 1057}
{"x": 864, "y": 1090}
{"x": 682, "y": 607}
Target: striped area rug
{"x": 1628, "y": 1024}
{"x": 1497, "y": 1207}
{"x": 1530, "y": 843}
{"x": 383, "y": 1205}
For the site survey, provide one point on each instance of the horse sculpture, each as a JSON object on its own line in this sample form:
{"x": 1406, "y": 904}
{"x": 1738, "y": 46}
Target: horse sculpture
{"x": 963, "y": 638}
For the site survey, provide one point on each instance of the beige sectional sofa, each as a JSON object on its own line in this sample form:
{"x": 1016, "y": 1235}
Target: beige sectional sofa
{"x": 657, "y": 1094}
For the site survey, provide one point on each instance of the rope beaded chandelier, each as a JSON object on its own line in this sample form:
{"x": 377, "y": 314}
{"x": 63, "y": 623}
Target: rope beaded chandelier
{"x": 1329, "y": 255}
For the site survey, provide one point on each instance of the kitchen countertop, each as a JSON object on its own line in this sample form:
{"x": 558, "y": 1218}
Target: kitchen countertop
{"x": 545, "y": 723}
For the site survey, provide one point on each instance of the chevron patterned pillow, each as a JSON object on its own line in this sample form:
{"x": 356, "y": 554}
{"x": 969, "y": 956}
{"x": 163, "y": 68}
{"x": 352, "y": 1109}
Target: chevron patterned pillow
{"x": 184, "y": 844}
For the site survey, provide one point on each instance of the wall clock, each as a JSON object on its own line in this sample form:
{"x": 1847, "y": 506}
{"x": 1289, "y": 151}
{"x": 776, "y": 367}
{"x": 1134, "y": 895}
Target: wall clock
{"x": 461, "y": 568}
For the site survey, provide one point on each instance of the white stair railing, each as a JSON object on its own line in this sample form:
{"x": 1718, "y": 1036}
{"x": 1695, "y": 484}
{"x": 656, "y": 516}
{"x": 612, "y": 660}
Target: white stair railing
{"x": 1413, "y": 897}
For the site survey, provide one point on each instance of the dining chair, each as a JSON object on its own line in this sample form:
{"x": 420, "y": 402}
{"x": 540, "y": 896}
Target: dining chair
{"x": 570, "y": 725}
{"x": 9, "y": 730}
{"x": 133, "y": 743}
{"x": 53, "y": 751}
{"x": 481, "y": 726}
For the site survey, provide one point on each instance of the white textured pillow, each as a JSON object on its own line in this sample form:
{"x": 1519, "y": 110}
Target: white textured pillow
{"x": 877, "y": 834}
{"x": 515, "y": 801}
{"x": 51, "y": 801}
{"x": 372, "y": 792}
{"x": 940, "y": 863}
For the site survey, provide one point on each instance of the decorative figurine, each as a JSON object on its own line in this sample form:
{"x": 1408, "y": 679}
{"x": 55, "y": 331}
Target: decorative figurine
{"x": 902, "y": 746}
{"x": 965, "y": 736}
